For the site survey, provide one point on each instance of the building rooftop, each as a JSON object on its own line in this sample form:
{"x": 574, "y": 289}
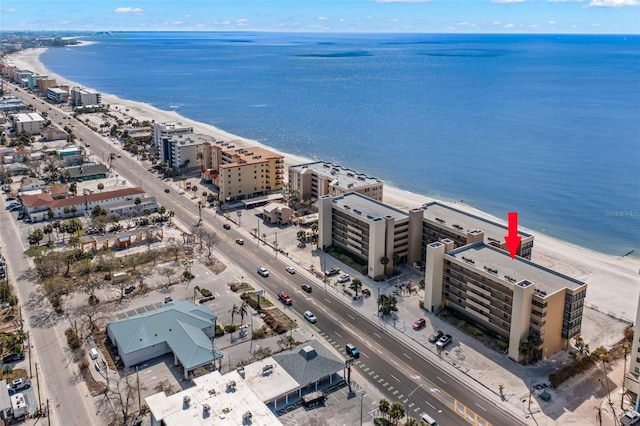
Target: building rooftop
{"x": 268, "y": 379}
{"x": 309, "y": 362}
{"x": 462, "y": 222}
{"x": 342, "y": 177}
{"x": 28, "y": 117}
{"x": 187, "y": 139}
{"x": 370, "y": 209}
{"x": 498, "y": 263}
{"x": 252, "y": 155}
{"x": 215, "y": 399}
{"x": 86, "y": 170}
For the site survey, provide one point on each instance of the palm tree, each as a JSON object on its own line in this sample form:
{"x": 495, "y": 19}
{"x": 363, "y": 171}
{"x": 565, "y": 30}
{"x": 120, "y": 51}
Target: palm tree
{"x": 396, "y": 412}
{"x": 48, "y": 230}
{"x": 243, "y": 311}
{"x": 384, "y": 260}
{"x": 384, "y": 407}
{"x": 355, "y": 285}
{"x": 137, "y": 202}
{"x": 235, "y": 310}
{"x": 411, "y": 422}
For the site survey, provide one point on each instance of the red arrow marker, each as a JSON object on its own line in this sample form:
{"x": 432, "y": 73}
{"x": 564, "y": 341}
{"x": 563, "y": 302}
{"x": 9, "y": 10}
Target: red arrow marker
{"x": 513, "y": 239}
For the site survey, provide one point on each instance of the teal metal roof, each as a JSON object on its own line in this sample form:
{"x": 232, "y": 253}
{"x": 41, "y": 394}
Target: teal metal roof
{"x": 179, "y": 324}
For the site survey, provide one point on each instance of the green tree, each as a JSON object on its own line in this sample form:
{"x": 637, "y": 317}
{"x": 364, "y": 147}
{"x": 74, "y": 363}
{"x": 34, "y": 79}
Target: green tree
{"x": 73, "y": 188}
{"x": 35, "y": 237}
{"x": 384, "y": 406}
{"x": 355, "y": 285}
{"x": 100, "y": 186}
{"x": 137, "y": 202}
{"x": 235, "y": 310}
{"x": 48, "y": 230}
{"x": 396, "y": 412}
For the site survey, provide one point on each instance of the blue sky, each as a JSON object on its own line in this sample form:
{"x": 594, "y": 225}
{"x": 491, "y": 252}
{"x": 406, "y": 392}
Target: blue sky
{"x": 440, "y": 16}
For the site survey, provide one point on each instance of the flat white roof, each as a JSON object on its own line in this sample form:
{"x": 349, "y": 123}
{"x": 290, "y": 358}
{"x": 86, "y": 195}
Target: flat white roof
{"x": 498, "y": 263}
{"x": 227, "y": 404}
{"x": 367, "y": 208}
{"x": 268, "y": 379}
{"x": 341, "y": 177}
{"x": 26, "y": 117}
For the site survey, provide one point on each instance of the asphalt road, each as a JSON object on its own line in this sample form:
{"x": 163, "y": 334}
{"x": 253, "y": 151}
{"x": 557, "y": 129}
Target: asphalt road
{"x": 400, "y": 372}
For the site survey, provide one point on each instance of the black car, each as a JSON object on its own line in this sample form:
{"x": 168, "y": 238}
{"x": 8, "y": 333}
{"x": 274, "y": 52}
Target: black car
{"x": 13, "y": 357}
{"x": 306, "y": 287}
{"x": 129, "y": 289}
{"x": 167, "y": 190}
{"x": 435, "y": 336}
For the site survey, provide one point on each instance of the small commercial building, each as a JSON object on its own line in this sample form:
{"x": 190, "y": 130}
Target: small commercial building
{"x": 87, "y": 172}
{"x": 511, "y": 297}
{"x": 31, "y": 184}
{"x": 277, "y": 214}
{"x": 71, "y": 155}
{"x": 179, "y": 327}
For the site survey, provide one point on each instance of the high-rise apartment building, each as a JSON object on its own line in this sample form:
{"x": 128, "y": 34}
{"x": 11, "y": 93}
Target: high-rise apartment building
{"x": 164, "y": 130}
{"x": 80, "y": 96}
{"x": 313, "y": 180}
{"x": 512, "y": 298}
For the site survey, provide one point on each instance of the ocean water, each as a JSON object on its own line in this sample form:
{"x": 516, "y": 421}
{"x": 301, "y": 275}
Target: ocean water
{"x": 545, "y": 125}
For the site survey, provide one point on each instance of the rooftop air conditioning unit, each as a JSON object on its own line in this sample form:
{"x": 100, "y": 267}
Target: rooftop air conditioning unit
{"x": 206, "y": 408}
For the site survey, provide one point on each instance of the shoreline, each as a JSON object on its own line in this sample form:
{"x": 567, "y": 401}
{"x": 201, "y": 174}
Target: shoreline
{"x": 602, "y": 272}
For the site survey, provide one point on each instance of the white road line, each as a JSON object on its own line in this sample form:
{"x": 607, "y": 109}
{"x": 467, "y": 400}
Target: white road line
{"x": 406, "y": 355}
{"x": 481, "y": 407}
{"x": 351, "y": 317}
{"x": 337, "y": 334}
{"x": 441, "y": 379}
{"x": 362, "y": 353}
{"x": 397, "y": 380}
{"x": 377, "y": 335}
{"x": 328, "y": 301}
{"x": 395, "y": 362}
{"x": 431, "y": 405}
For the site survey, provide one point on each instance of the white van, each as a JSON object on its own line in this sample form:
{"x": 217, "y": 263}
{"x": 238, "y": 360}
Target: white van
{"x": 93, "y": 353}
{"x": 427, "y": 419}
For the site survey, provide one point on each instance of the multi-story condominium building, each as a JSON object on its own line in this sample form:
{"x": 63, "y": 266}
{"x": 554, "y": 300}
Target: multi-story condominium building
{"x": 44, "y": 84}
{"x": 442, "y": 221}
{"x": 513, "y": 298}
{"x": 313, "y": 180}
{"x": 366, "y": 228}
{"x": 164, "y": 130}
{"x": 32, "y": 123}
{"x": 180, "y": 150}
{"x": 81, "y": 96}
{"x": 249, "y": 172}
{"x": 58, "y": 95}
{"x": 119, "y": 201}
{"x": 425, "y": 225}
{"x": 71, "y": 155}
{"x": 632, "y": 377}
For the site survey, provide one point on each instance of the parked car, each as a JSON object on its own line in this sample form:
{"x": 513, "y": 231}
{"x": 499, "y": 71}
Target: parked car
{"x": 306, "y": 287}
{"x": 290, "y": 270}
{"x": 285, "y": 298}
{"x": 420, "y": 323}
{"x": 239, "y": 241}
{"x": 13, "y": 358}
{"x": 344, "y": 278}
{"x": 332, "y": 271}
{"x": 435, "y": 336}
{"x": 167, "y": 190}
{"x": 310, "y": 317}
{"x": 444, "y": 341}
{"x": 226, "y": 226}
{"x": 10, "y": 206}
{"x": 10, "y": 198}
{"x": 19, "y": 384}
{"x": 168, "y": 299}
{"x": 129, "y": 289}
{"x": 263, "y": 271}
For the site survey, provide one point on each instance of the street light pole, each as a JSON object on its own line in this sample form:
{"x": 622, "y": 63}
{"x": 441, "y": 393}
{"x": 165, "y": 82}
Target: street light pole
{"x": 361, "y": 398}
{"x": 406, "y": 404}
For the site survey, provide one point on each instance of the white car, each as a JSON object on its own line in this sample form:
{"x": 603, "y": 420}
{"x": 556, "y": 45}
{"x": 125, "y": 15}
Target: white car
{"x": 344, "y": 278}
{"x": 310, "y": 317}
{"x": 263, "y": 271}
{"x": 290, "y": 270}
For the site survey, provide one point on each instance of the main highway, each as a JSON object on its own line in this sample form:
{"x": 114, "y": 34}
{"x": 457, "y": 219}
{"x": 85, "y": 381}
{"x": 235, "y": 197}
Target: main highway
{"x": 416, "y": 378}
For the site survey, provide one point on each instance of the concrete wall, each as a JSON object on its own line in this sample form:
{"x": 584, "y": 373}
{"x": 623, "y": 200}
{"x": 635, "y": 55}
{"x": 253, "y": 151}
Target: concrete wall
{"x": 520, "y": 316}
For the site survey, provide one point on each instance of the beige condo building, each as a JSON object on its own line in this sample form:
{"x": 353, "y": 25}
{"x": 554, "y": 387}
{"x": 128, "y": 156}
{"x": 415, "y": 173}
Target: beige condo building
{"x": 313, "y": 180}
{"x": 366, "y": 228}
{"x": 242, "y": 173}
{"x": 513, "y": 298}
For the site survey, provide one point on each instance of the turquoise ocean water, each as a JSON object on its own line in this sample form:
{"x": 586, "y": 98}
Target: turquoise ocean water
{"x": 545, "y": 125}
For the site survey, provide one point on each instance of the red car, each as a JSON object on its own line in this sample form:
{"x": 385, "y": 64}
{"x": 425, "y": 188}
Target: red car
{"x": 226, "y": 226}
{"x": 419, "y": 324}
{"x": 286, "y": 299}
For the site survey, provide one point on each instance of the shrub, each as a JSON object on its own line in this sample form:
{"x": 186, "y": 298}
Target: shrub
{"x": 205, "y": 292}
{"x": 219, "y": 331}
{"x": 259, "y": 333}
{"x": 205, "y": 299}
{"x": 72, "y": 338}
{"x": 475, "y": 331}
{"x": 230, "y": 328}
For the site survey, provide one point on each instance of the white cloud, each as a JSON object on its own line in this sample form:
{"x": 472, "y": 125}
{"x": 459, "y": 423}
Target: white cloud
{"x": 508, "y": 26}
{"x": 566, "y": 1}
{"x": 551, "y": 22}
{"x": 187, "y": 16}
{"x": 177, "y": 22}
{"x": 7, "y": 10}
{"x": 496, "y": 23}
{"x": 133, "y": 10}
{"x": 613, "y": 3}
{"x": 241, "y": 22}
{"x": 508, "y": 1}
{"x": 322, "y": 18}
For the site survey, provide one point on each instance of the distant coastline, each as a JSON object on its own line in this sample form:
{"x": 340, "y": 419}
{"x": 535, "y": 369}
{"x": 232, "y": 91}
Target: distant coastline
{"x": 597, "y": 269}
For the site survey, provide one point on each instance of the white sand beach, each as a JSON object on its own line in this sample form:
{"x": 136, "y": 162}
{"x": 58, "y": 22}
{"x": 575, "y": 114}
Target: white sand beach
{"x": 613, "y": 282}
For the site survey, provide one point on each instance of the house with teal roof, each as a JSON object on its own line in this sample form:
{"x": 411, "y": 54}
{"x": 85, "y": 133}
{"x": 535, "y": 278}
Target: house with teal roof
{"x": 179, "y": 327}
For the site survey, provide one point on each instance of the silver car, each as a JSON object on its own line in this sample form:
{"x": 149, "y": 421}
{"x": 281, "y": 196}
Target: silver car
{"x": 310, "y": 317}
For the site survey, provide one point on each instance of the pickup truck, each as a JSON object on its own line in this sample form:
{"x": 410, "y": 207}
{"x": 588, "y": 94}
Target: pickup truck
{"x": 285, "y": 298}
{"x": 444, "y": 341}
{"x": 19, "y": 384}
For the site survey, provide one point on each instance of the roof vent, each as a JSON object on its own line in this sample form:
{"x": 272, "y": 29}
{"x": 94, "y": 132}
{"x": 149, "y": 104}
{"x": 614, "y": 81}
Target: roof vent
{"x": 186, "y": 400}
{"x": 206, "y": 408}
{"x": 308, "y": 352}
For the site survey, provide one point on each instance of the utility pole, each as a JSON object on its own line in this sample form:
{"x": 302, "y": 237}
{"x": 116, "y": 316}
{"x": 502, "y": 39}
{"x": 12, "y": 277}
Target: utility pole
{"x": 258, "y": 233}
{"x": 38, "y": 387}
{"x": 138, "y": 386}
{"x": 47, "y": 413}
